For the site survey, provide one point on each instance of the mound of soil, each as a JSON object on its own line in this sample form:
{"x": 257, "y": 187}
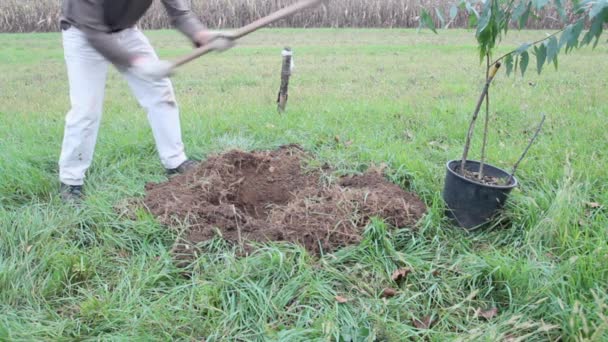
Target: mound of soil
{"x": 269, "y": 196}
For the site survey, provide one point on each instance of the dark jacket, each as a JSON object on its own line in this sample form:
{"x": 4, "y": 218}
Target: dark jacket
{"x": 98, "y": 19}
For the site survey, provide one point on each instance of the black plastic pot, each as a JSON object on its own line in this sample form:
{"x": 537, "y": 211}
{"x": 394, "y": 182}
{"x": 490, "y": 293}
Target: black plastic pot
{"x": 471, "y": 204}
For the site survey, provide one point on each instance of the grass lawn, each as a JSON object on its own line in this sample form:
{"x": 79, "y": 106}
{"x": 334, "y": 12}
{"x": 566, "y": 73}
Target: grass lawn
{"x": 401, "y": 98}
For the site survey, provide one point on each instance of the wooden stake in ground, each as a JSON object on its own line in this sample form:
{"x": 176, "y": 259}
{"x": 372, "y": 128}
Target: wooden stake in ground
{"x": 285, "y": 74}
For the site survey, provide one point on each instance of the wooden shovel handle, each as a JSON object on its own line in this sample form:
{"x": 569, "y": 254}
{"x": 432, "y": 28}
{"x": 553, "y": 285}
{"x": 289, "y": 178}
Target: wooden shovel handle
{"x": 247, "y": 29}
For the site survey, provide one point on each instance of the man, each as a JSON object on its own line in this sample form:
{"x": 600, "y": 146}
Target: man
{"x": 97, "y": 33}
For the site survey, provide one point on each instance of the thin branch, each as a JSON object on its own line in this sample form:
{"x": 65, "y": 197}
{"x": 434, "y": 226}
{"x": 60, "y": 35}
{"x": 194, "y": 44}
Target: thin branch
{"x": 526, "y": 150}
{"x": 467, "y": 144}
{"x": 485, "y": 129}
{"x": 531, "y": 44}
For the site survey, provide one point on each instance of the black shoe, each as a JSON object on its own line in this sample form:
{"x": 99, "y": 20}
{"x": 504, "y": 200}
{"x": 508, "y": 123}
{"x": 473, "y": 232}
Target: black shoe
{"x": 183, "y": 167}
{"x": 71, "y": 193}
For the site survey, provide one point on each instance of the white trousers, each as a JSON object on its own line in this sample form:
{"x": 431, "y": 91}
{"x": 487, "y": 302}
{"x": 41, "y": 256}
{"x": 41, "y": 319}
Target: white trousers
{"x": 87, "y": 71}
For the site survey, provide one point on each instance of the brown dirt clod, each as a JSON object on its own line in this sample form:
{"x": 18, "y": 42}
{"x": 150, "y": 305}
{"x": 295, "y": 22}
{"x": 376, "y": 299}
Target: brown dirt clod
{"x": 389, "y": 292}
{"x": 268, "y": 196}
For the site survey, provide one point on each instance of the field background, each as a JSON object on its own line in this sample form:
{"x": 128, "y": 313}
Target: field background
{"x": 358, "y": 97}
{"x": 43, "y": 15}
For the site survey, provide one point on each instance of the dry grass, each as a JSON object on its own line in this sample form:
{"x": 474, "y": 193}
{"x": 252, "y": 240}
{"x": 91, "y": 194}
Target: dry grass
{"x": 43, "y": 15}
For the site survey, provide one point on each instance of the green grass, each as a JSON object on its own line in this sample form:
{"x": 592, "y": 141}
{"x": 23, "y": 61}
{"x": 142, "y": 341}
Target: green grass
{"x": 403, "y": 99}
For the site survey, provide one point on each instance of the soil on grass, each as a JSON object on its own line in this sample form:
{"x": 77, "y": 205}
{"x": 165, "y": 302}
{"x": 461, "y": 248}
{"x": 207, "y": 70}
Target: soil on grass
{"x": 269, "y": 196}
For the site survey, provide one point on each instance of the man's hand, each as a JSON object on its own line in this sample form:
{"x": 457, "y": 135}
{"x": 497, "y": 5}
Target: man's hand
{"x": 151, "y": 69}
{"x": 217, "y": 41}
{"x": 202, "y": 38}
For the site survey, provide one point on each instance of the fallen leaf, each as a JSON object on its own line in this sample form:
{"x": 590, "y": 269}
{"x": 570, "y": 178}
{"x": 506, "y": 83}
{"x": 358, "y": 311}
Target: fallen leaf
{"x": 408, "y": 135}
{"x": 341, "y": 299}
{"x": 348, "y": 143}
{"x": 388, "y": 292}
{"x": 68, "y": 310}
{"x": 28, "y": 248}
{"x": 379, "y": 169}
{"x": 271, "y": 169}
{"x": 435, "y": 273}
{"x": 438, "y": 145}
{"x": 488, "y": 314}
{"x": 593, "y": 205}
{"x": 401, "y": 274}
{"x": 123, "y": 253}
{"x": 337, "y": 139}
{"x": 425, "y": 323}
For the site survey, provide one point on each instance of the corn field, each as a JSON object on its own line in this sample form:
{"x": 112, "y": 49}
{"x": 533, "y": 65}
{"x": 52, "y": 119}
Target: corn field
{"x": 43, "y": 15}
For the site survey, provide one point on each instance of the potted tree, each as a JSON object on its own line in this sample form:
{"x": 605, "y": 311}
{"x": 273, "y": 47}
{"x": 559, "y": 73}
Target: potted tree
{"x": 475, "y": 191}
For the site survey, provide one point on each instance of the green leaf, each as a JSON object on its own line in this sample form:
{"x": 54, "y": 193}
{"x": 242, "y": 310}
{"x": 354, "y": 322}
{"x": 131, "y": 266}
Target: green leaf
{"x": 597, "y": 8}
{"x": 541, "y": 56}
{"x": 523, "y": 63}
{"x": 471, "y": 9}
{"x": 427, "y": 21}
{"x": 505, "y": 19}
{"x": 523, "y": 20}
{"x": 363, "y": 332}
{"x": 555, "y": 62}
{"x": 599, "y": 32}
{"x": 522, "y": 48}
{"x": 516, "y": 64}
{"x": 577, "y": 28}
{"x": 595, "y": 31}
{"x": 453, "y": 12}
{"x": 552, "y": 49}
{"x": 499, "y": 11}
{"x": 560, "y": 9}
{"x": 565, "y": 36}
{"x": 462, "y": 5}
{"x": 509, "y": 64}
{"x": 580, "y": 7}
{"x": 583, "y": 3}
{"x": 539, "y": 4}
{"x": 472, "y": 21}
{"x": 519, "y": 11}
{"x": 486, "y": 16}
{"x": 440, "y": 17}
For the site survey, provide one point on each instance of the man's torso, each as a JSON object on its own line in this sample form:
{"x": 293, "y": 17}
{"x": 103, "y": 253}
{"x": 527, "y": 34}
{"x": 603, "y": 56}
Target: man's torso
{"x": 104, "y": 15}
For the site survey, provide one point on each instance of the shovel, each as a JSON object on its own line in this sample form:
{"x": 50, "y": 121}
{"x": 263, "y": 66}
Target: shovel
{"x": 245, "y": 30}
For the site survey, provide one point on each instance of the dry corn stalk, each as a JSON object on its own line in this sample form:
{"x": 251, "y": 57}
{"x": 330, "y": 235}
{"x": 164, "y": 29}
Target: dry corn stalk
{"x": 42, "y": 15}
